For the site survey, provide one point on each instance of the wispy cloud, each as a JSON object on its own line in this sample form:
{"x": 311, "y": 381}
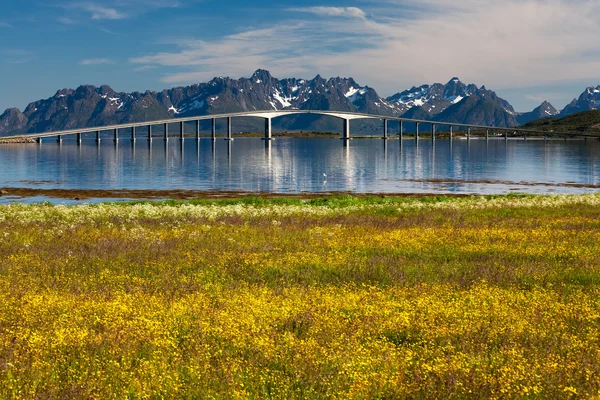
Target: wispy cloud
{"x": 5, "y": 25}
{"x": 396, "y": 43}
{"x": 145, "y": 68}
{"x": 16, "y": 56}
{"x": 96, "y": 61}
{"x": 112, "y": 9}
{"x": 67, "y": 21}
{"x": 101, "y": 12}
{"x": 541, "y": 97}
{"x": 352, "y": 12}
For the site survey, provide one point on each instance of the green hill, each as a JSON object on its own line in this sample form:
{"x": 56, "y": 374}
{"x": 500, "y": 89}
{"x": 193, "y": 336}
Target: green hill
{"x": 586, "y": 121}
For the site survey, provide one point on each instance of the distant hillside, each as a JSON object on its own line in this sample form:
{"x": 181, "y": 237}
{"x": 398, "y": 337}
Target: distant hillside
{"x": 586, "y": 121}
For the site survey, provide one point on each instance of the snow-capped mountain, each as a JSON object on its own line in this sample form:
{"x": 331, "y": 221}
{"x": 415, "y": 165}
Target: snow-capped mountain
{"x": 97, "y": 106}
{"x": 433, "y": 98}
{"x": 588, "y": 100}
{"x": 545, "y": 110}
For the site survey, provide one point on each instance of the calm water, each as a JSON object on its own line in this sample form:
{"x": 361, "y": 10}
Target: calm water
{"x": 292, "y": 165}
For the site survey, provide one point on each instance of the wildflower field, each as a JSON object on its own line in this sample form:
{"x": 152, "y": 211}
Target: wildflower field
{"x": 339, "y": 297}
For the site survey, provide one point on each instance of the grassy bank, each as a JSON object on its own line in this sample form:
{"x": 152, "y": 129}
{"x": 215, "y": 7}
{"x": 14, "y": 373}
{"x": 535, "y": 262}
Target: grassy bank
{"x": 340, "y": 297}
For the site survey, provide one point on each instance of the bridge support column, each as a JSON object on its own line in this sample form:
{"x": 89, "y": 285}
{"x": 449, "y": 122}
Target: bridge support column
{"x": 268, "y": 129}
{"x": 59, "y": 139}
{"x": 401, "y": 131}
{"x": 197, "y": 129}
{"x": 468, "y": 133}
{"x": 451, "y": 127}
{"x": 97, "y": 136}
{"x": 149, "y": 133}
{"x": 39, "y": 140}
{"x": 417, "y": 131}
{"x": 385, "y": 129}
{"x": 116, "y": 135}
{"x": 181, "y": 130}
{"x": 79, "y": 138}
{"x": 213, "y": 134}
{"x": 229, "y": 137}
{"x": 133, "y": 133}
{"x": 433, "y": 132}
{"x": 346, "y": 132}
{"x": 487, "y": 134}
{"x": 524, "y": 136}
{"x": 166, "y": 132}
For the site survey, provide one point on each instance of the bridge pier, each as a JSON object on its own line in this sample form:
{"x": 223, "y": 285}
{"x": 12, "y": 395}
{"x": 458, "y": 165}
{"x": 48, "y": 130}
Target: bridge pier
{"x": 468, "y": 133}
{"x": 39, "y": 140}
{"x": 385, "y": 129}
{"x": 401, "y": 131}
{"x": 197, "y": 129}
{"x": 149, "y": 133}
{"x": 133, "y": 133}
{"x": 268, "y": 129}
{"x": 433, "y": 132}
{"x": 346, "y": 131}
{"x": 213, "y": 134}
{"x": 451, "y": 127}
{"x": 229, "y": 137}
{"x": 79, "y": 138}
{"x": 59, "y": 139}
{"x": 524, "y": 136}
{"x": 181, "y": 130}
{"x": 166, "y": 126}
{"x": 417, "y": 131}
{"x": 487, "y": 134}
{"x": 116, "y": 135}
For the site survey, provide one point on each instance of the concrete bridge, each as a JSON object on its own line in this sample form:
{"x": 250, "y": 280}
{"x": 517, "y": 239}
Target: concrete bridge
{"x": 268, "y": 116}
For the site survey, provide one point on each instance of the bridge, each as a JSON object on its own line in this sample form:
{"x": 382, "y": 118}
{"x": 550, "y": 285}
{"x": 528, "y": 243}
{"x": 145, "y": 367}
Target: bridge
{"x": 268, "y": 116}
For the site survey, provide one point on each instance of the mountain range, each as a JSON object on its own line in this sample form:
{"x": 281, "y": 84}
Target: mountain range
{"x": 454, "y": 101}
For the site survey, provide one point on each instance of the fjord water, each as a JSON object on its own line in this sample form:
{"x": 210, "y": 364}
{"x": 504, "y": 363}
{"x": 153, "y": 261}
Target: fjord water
{"x": 294, "y": 165}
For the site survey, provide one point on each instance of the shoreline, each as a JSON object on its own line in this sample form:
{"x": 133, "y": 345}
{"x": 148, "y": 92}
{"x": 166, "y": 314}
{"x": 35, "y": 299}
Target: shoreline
{"x": 183, "y": 194}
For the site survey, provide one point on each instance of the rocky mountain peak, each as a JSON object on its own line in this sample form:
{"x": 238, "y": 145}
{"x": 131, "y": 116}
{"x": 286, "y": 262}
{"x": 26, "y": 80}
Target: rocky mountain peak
{"x": 544, "y": 110}
{"x": 588, "y": 100}
{"x": 261, "y": 75}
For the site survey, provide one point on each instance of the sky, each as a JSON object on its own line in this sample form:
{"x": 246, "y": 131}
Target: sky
{"x": 527, "y": 51}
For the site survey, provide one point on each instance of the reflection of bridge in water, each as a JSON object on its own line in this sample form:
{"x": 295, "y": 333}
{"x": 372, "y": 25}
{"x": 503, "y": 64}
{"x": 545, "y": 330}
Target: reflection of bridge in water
{"x": 268, "y": 116}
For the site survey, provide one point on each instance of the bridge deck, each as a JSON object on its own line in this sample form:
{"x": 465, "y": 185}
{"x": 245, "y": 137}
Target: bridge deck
{"x": 275, "y": 114}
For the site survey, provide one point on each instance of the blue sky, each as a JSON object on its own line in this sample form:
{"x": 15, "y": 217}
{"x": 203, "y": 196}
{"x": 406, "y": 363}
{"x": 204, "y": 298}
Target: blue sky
{"x": 526, "y": 50}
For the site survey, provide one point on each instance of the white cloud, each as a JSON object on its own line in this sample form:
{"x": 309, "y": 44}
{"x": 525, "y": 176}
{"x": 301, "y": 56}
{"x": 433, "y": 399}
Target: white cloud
{"x": 352, "y": 12}
{"x": 101, "y": 12}
{"x": 5, "y": 25}
{"x": 508, "y": 44}
{"x": 96, "y": 61}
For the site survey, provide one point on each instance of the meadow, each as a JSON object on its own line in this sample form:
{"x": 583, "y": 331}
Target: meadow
{"x": 333, "y": 298}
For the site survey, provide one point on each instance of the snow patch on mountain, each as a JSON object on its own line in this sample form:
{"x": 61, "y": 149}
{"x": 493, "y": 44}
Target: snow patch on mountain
{"x": 284, "y": 101}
